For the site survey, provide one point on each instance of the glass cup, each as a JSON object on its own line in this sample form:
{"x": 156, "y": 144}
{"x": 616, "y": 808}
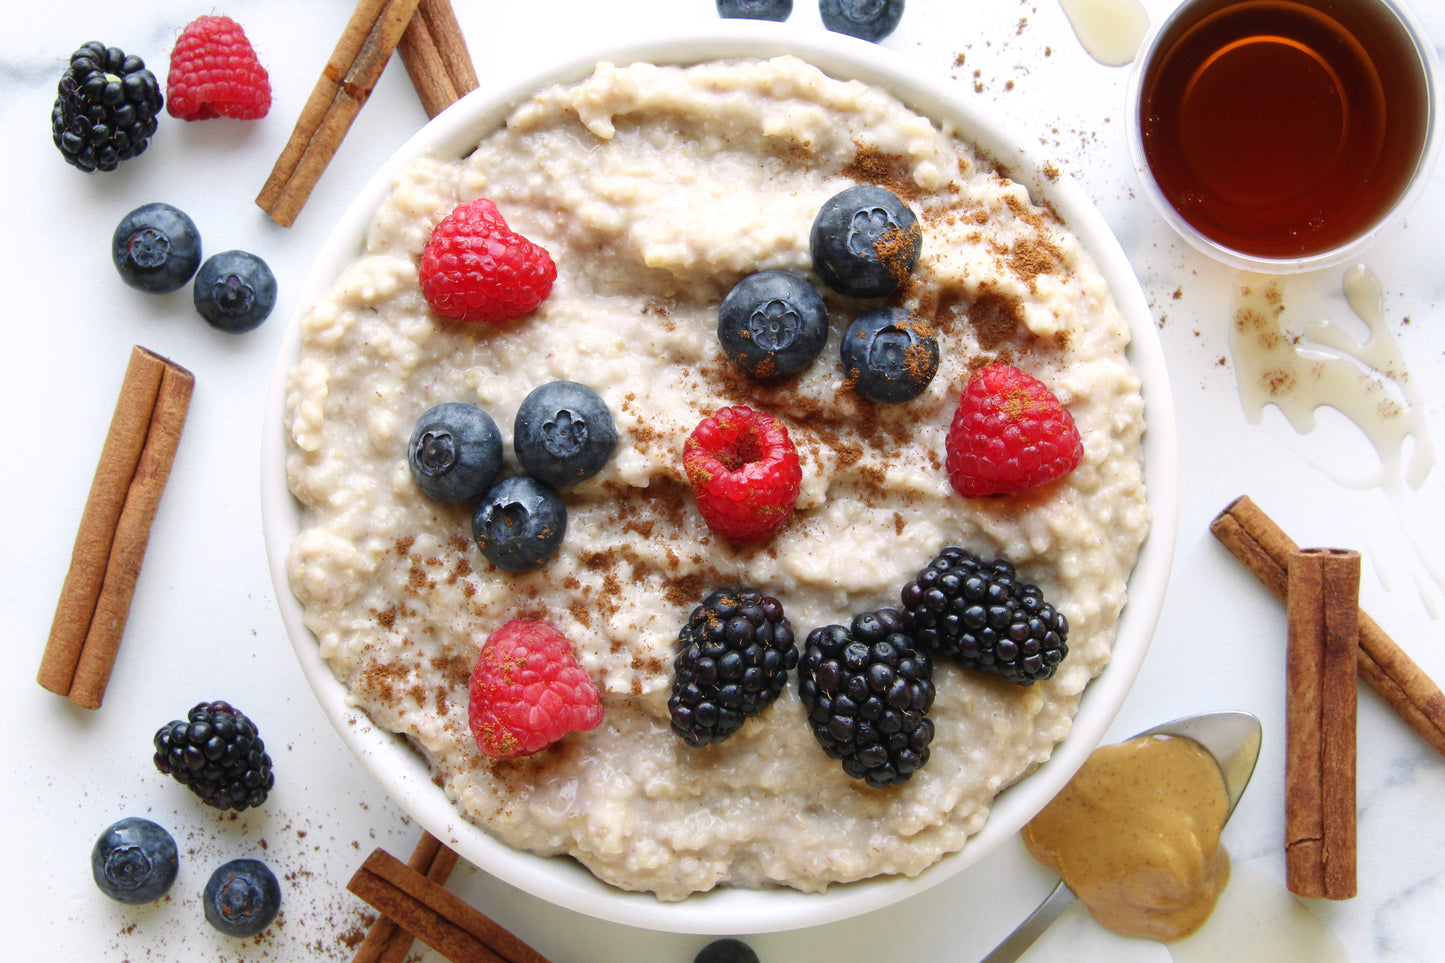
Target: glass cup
{"x": 1284, "y": 135}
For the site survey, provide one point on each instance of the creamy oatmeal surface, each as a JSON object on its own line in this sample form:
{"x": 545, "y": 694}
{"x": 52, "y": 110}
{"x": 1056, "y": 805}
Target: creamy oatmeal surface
{"x": 655, "y": 189}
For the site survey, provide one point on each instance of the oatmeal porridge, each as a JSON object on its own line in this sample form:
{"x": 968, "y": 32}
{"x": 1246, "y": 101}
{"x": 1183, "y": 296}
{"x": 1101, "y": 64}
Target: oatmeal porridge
{"x": 655, "y": 189}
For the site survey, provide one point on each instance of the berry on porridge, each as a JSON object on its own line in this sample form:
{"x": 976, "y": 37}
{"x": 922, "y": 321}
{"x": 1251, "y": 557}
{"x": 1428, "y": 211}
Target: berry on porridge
{"x": 865, "y": 241}
{"x": 733, "y": 659}
{"x": 984, "y": 617}
{"x": 563, "y": 433}
{"x": 455, "y": 452}
{"x": 527, "y": 691}
{"x": 868, "y": 690}
{"x": 744, "y": 472}
{"x": 519, "y": 523}
{"x": 475, "y": 268}
{"x": 889, "y": 355}
{"x": 1009, "y": 433}
{"x": 773, "y": 324}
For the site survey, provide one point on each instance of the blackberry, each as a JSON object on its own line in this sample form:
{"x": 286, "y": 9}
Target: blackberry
{"x": 105, "y": 108}
{"x": 734, "y": 656}
{"x": 217, "y": 754}
{"x": 868, "y": 690}
{"x": 981, "y": 615}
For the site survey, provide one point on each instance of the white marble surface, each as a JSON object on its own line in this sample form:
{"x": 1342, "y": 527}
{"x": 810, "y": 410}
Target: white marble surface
{"x": 204, "y": 623}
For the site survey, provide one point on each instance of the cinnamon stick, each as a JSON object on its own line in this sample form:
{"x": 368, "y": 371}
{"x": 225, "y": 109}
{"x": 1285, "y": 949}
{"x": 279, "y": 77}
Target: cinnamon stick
{"x": 432, "y": 914}
{"x": 346, "y": 83}
{"x": 135, "y": 462}
{"x": 385, "y": 941}
{"x": 1323, "y": 604}
{"x": 1264, "y": 549}
{"x": 436, "y": 57}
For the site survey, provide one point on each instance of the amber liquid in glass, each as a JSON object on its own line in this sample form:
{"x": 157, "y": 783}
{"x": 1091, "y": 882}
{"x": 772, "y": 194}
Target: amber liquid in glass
{"x": 1283, "y": 128}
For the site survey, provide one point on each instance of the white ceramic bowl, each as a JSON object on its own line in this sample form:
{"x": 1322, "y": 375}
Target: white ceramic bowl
{"x": 403, "y": 773}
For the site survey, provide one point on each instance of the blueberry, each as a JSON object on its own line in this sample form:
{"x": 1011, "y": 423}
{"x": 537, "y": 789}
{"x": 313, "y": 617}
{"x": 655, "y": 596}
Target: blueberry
{"x": 455, "y": 452}
{"x": 235, "y": 291}
{"x": 773, "y": 324}
{"x": 519, "y": 524}
{"x": 563, "y": 433}
{"x": 134, "y": 861}
{"x": 755, "y": 9}
{"x": 866, "y": 19}
{"x": 890, "y": 355}
{"x": 156, "y": 248}
{"x": 726, "y": 951}
{"x": 242, "y": 897}
{"x": 865, "y": 241}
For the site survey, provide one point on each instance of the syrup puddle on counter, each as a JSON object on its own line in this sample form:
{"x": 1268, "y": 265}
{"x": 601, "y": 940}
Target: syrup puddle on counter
{"x": 1365, "y": 381}
{"x": 1110, "y": 30}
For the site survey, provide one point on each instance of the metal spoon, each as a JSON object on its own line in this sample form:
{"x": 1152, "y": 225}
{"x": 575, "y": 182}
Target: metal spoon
{"x": 1233, "y": 738}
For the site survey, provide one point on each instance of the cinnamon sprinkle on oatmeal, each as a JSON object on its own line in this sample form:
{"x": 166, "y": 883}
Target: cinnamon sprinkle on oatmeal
{"x": 893, "y": 171}
{"x": 995, "y": 317}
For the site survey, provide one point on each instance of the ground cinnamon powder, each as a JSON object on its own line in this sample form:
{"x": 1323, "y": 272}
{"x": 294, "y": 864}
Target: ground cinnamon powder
{"x": 893, "y": 171}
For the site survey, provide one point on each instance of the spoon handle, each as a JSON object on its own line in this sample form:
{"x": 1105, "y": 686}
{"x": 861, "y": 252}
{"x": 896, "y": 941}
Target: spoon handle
{"x": 1017, "y": 943}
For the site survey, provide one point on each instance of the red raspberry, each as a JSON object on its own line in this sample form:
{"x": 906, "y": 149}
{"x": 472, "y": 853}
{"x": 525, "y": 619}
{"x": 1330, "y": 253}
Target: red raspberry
{"x": 744, "y": 471}
{"x": 215, "y": 73}
{"x": 1008, "y": 434}
{"x": 475, "y": 268}
{"x": 527, "y": 691}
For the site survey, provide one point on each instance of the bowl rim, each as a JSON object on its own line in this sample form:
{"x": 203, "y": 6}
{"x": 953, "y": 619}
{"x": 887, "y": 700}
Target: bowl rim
{"x": 1345, "y": 251}
{"x": 403, "y": 773}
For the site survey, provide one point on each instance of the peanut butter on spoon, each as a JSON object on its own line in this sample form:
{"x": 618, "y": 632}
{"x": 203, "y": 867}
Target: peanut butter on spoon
{"x": 1136, "y": 835}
